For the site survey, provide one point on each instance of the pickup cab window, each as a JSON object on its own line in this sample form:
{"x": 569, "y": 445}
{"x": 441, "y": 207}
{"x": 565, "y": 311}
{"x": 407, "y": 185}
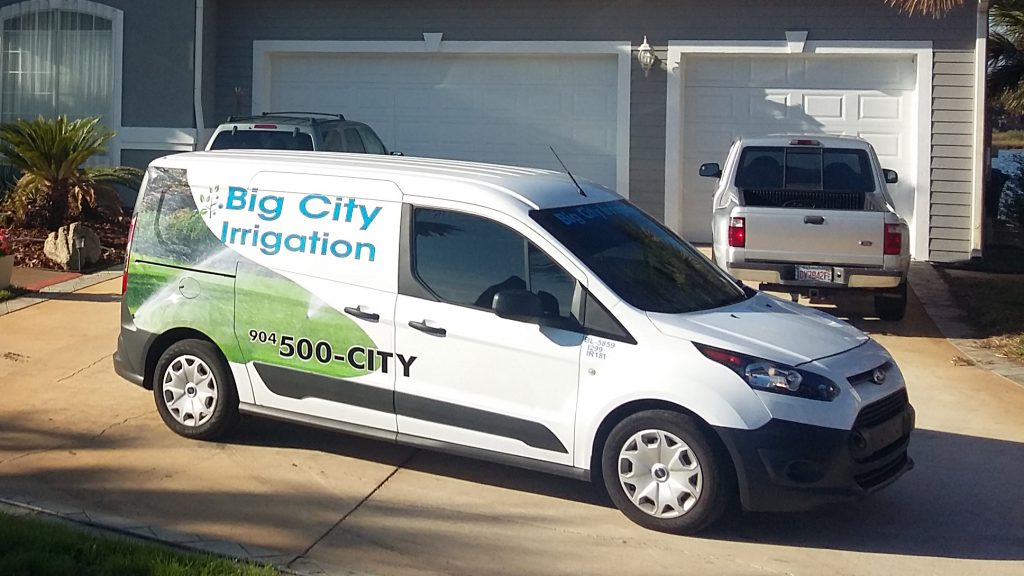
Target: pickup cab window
{"x": 805, "y": 168}
{"x": 645, "y": 264}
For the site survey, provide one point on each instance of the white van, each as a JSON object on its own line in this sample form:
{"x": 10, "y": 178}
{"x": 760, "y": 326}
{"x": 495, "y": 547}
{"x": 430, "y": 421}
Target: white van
{"x": 498, "y": 312}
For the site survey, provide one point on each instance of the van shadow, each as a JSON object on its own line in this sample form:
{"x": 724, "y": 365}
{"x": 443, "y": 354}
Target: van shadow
{"x": 963, "y": 499}
{"x": 72, "y": 297}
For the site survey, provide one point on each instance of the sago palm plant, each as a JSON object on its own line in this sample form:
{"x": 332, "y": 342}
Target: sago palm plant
{"x": 55, "y": 186}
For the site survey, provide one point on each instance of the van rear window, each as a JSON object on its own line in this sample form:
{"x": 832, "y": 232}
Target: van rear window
{"x": 262, "y": 140}
{"x": 805, "y": 168}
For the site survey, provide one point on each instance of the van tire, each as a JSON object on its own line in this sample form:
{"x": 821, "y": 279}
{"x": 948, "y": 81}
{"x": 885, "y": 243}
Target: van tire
{"x": 892, "y": 306}
{"x": 699, "y": 465}
{"x": 194, "y": 391}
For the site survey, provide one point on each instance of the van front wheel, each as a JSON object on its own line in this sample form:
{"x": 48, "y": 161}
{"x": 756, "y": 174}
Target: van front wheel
{"x": 662, "y": 472}
{"x": 194, "y": 391}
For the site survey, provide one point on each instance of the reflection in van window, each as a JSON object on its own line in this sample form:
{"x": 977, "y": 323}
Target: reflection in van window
{"x": 466, "y": 260}
{"x": 645, "y": 264}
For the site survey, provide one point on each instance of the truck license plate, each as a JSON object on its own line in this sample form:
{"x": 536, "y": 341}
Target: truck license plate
{"x": 816, "y": 273}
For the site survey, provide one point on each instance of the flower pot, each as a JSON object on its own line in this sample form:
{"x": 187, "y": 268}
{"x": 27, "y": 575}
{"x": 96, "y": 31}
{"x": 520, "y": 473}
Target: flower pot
{"x": 6, "y": 267}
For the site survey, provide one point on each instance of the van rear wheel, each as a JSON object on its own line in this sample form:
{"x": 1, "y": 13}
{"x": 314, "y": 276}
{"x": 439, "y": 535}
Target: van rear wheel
{"x": 664, "y": 473}
{"x": 194, "y": 391}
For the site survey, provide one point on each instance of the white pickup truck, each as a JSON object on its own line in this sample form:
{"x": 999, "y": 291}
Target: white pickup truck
{"x": 810, "y": 215}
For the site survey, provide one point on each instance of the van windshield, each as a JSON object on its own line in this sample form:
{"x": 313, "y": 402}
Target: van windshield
{"x": 643, "y": 262}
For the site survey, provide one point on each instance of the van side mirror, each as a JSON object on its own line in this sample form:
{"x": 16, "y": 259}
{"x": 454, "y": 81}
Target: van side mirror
{"x": 711, "y": 170}
{"x": 515, "y": 304}
{"x": 891, "y": 176}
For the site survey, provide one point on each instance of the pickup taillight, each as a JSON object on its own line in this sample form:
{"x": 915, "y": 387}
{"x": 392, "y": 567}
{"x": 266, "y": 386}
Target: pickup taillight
{"x": 893, "y": 244}
{"x": 737, "y": 232}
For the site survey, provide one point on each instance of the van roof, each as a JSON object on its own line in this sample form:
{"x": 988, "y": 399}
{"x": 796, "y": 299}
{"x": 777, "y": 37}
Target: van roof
{"x": 477, "y": 183}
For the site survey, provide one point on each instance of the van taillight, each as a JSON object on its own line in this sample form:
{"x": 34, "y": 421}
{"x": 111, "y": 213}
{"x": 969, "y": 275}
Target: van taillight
{"x": 127, "y": 256}
{"x": 893, "y": 244}
{"x": 737, "y": 232}
{"x": 265, "y": 126}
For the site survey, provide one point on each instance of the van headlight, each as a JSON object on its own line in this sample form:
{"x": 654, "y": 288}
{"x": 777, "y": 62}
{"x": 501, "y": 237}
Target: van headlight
{"x": 769, "y": 376}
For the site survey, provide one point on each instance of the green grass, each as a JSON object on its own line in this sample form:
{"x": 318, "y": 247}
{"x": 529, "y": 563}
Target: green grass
{"x": 1009, "y": 139}
{"x": 11, "y": 292}
{"x": 33, "y": 547}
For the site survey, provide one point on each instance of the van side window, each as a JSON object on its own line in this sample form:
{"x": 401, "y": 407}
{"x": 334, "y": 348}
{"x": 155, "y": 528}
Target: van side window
{"x": 171, "y": 226}
{"x": 600, "y": 322}
{"x": 466, "y": 260}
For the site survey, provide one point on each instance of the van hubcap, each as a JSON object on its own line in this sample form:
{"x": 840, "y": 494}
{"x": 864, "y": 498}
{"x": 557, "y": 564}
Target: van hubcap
{"x": 190, "y": 390}
{"x": 660, "y": 474}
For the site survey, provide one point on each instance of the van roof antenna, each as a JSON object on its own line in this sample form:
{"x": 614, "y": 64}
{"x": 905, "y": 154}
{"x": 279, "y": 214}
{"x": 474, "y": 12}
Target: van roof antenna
{"x": 566, "y": 168}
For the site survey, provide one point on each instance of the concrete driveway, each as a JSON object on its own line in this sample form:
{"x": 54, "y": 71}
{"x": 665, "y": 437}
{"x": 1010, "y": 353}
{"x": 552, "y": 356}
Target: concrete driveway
{"x": 72, "y": 432}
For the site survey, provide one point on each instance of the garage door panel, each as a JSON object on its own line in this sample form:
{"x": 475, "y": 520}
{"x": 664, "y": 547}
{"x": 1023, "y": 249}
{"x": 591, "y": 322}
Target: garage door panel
{"x": 496, "y": 108}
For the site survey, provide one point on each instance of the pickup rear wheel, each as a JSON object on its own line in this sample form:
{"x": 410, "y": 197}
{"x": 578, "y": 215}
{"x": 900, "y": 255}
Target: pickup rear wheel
{"x": 892, "y": 306}
{"x": 664, "y": 472}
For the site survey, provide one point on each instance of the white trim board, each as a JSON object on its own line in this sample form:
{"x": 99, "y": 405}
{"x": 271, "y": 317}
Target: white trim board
{"x": 143, "y": 138}
{"x": 980, "y": 156}
{"x": 676, "y": 62}
{"x": 264, "y": 50}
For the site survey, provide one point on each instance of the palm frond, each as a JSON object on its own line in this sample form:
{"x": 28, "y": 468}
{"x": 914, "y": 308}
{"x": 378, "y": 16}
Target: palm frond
{"x": 935, "y": 8}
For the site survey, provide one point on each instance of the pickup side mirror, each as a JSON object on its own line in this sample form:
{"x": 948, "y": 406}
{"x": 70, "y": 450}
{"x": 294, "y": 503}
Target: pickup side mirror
{"x": 711, "y": 170}
{"x": 521, "y": 305}
{"x": 891, "y": 176}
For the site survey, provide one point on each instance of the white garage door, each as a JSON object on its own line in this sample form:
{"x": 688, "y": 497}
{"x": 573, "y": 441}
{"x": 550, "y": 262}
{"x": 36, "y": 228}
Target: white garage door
{"x": 506, "y": 109}
{"x": 727, "y": 96}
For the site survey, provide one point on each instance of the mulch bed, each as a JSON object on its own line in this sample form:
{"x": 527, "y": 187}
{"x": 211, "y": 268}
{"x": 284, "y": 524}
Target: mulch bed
{"x": 27, "y": 245}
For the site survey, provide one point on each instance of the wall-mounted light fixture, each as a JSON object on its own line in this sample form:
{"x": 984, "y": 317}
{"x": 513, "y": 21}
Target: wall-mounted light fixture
{"x": 645, "y": 56}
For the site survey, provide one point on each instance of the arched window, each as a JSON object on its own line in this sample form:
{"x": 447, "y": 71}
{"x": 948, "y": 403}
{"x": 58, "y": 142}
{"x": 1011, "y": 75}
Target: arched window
{"x": 60, "y": 57}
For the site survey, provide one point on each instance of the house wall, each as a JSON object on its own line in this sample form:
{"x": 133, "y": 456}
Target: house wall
{"x": 243, "y": 21}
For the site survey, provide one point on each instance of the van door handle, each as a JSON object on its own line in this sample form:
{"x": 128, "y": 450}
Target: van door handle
{"x": 432, "y": 330}
{"x": 358, "y": 312}
{"x": 817, "y": 220}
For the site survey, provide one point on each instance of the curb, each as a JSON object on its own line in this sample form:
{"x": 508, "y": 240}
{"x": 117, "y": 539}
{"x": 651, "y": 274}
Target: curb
{"x": 57, "y": 290}
{"x": 940, "y": 306}
{"x": 108, "y": 525}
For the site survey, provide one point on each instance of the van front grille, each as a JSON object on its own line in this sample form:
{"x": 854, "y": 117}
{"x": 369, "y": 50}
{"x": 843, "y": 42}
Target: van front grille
{"x": 816, "y": 199}
{"x": 882, "y": 410}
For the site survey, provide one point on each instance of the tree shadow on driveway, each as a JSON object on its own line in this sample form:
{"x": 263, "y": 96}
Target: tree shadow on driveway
{"x": 964, "y": 499}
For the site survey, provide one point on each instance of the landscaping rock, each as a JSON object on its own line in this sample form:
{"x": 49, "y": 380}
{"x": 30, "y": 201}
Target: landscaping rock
{"x": 61, "y": 246}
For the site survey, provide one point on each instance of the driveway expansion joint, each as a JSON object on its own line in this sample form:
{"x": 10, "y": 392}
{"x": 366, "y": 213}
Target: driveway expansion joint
{"x": 83, "y": 369}
{"x": 366, "y": 498}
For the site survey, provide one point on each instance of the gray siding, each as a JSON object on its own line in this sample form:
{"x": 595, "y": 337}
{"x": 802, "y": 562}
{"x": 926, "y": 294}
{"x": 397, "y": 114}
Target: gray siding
{"x": 951, "y": 159}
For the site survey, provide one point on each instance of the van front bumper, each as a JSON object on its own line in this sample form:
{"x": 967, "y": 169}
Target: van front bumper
{"x": 788, "y": 466}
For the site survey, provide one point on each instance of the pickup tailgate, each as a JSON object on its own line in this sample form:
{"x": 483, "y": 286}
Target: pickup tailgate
{"x": 806, "y": 235}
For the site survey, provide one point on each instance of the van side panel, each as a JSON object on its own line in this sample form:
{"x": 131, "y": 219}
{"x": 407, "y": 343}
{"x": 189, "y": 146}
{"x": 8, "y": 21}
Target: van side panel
{"x": 179, "y": 274}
